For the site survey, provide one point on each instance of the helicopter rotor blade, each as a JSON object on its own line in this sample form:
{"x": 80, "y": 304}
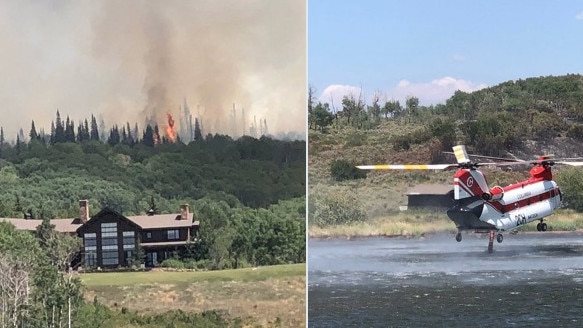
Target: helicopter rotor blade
{"x": 570, "y": 163}
{"x": 407, "y": 167}
{"x": 488, "y": 157}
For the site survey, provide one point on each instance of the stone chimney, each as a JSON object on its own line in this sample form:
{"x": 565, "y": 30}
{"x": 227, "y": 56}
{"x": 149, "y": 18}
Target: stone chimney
{"x": 84, "y": 210}
{"x": 184, "y": 212}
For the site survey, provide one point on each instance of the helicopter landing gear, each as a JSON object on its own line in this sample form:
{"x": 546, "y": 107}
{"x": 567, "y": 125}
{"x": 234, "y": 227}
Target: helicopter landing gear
{"x": 491, "y": 241}
{"x": 458, "y": 237}
{"x": 541, "y": 226}
{"x": 499, "y": 238}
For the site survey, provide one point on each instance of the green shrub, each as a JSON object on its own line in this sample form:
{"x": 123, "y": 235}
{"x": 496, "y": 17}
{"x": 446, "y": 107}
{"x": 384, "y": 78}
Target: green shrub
{"x": 355, "y": 139}
{"x": 343, "y": 170}
{"x": 402, "y": 143}
{"x": 339, "y": 206}
{"x": 190, "y": 264}
{"x": 575, "y": 132}
{"x": 172, "y": 263}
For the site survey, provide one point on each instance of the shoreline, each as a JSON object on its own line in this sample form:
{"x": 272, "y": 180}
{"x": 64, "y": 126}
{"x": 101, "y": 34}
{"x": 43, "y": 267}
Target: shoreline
{"x": 435, "y": 233}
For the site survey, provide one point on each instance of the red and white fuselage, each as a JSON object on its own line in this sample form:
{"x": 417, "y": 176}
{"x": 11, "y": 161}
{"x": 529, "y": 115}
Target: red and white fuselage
{"x": 480, "y": 207}
{"x": 522, "y": 203}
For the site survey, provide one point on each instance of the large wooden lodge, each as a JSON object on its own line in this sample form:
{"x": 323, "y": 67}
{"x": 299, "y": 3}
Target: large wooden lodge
{"x": 111, "y": 239}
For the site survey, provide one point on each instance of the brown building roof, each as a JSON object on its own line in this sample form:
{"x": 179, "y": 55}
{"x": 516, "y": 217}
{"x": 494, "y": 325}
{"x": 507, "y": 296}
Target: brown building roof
{"x": 430, "y": 189}
{"x": 161, "y": 221}
{"x": 61, "y": 225}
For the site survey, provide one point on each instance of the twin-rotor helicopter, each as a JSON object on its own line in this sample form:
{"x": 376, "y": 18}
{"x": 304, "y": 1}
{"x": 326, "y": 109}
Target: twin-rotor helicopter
{"x": 496, "y": 210}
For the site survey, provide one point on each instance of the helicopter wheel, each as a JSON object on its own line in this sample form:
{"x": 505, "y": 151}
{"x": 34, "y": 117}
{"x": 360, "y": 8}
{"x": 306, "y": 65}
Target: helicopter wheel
{"x": 458, "y": 237}
{"x": 538, "y": 227}
{"x": 499, "y": 238}
{"x": 543, "y": 227}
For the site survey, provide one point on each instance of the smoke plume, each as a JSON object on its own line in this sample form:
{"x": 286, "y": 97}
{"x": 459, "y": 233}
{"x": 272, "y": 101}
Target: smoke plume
{"x": 137, "y": 61}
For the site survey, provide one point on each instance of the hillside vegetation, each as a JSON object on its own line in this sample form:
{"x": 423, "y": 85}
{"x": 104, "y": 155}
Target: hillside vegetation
{"x": 515, "y": 119}
{"x": 49, "y": 179}
{"x": 248, "y": 193}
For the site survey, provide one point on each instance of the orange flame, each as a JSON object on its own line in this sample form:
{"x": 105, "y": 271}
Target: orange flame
{"x": 156, "y": 137}
{"x": 170, "y": 132}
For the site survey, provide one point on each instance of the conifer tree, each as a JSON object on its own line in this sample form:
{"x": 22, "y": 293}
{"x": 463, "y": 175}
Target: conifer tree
{"x": 33, "y": 134}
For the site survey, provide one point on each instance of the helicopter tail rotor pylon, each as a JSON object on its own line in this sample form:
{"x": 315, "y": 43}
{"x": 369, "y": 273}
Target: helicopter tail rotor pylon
{"x": 461, "y": 155}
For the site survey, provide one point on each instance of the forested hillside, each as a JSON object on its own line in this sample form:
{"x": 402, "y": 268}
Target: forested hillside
{"x": 47, "y": 175}
{"x": 505, "y": 117}
{"x": 515, "y": 119}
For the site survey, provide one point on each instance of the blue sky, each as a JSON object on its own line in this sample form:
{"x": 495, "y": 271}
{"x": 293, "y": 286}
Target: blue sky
{"x": 429, "y": 49}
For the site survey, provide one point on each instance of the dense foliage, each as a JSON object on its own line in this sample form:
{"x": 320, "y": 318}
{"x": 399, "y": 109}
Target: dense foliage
{"x": 248, "y": 193}
{"x": 49, "y": 179}
{"x": 33, "y": 291}
{"x": 571, "y": 182}
{"x": 335, "y": 207}
{"x": 237, "y": 236}
{"x": 491, "y": 120}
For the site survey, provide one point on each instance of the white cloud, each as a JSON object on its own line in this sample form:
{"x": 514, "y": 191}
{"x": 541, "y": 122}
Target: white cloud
{"x": 334, "y": 93}
{"x": 428, "y": 93}
{"x": 434, "y": 92}
{"x": 579, "y": 16}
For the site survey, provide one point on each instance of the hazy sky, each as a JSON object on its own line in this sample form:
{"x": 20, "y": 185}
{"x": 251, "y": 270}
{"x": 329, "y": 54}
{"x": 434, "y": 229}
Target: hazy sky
{"x": 429, "y": 49}
{"x": 132, "y": 60}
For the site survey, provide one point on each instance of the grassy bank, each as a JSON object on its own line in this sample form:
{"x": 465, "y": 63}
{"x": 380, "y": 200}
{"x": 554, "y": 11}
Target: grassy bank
{"x": 421, "y": 223}
{"x": 264, "y": 296}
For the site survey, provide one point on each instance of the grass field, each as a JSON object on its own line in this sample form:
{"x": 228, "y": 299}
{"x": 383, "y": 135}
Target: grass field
{"x": 273, "y": 296}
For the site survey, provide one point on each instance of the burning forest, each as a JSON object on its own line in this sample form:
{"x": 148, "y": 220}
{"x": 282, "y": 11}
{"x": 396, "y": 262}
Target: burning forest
{"x": 185, "y": 130}
{"x": 127, "y": 61}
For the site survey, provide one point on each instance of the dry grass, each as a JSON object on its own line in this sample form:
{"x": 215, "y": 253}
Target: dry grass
{"x": 401, "y": 224}
{"x": 419, "y": 224}
{"x": 278, "y": 301}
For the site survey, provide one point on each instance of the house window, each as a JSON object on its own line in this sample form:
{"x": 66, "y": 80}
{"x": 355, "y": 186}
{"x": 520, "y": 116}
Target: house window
{"x": 90, "y": 241}
{"x": 109, "y": 227}
{"x": 129, "y": 240}
{"x": 151, "y": 259}
{"x": 173, "y": 234}
{"x": 90, "y": 259}
{"x": 90, "y": 245}
{"x": 110, "y": 257}
{"x": 148, "y": 235}
{"x": 109, "y": 253}
{"x": 109, "y": 233}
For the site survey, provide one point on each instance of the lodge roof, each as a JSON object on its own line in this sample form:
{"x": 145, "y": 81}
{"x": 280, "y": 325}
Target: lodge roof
{"x": 61, "y": 225}
{"x": 430, "y": 189}
{"x": 160, "y": 221}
